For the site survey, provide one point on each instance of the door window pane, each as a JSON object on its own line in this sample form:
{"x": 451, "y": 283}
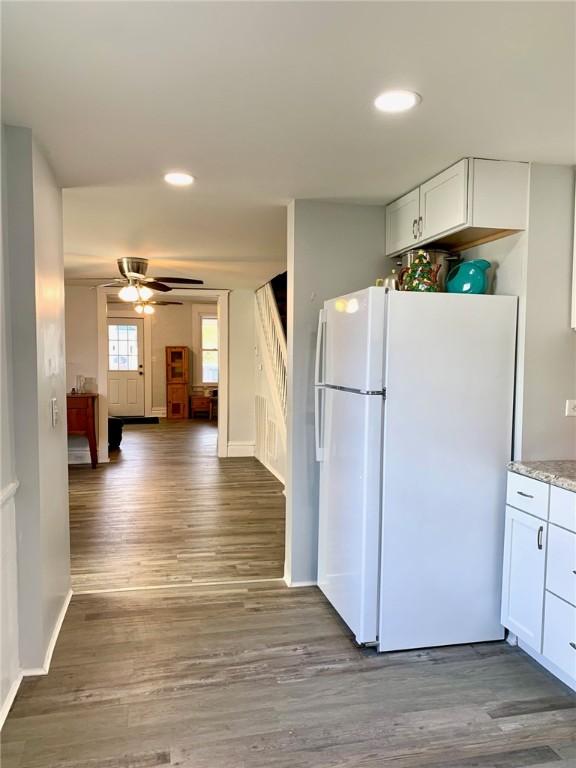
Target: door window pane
{"x": 122, "y": 347}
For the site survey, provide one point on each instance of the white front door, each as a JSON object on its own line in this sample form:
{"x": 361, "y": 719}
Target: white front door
{"x": 125, "y": 367}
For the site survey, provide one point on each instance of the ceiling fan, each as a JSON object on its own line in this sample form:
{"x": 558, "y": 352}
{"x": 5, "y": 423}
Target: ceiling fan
{"x": 137, "y": 287}
{"x": 147, "y": 307}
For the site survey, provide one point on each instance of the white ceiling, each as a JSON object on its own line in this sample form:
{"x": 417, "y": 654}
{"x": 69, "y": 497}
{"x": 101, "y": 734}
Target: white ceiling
{"x": 264, "y": 102}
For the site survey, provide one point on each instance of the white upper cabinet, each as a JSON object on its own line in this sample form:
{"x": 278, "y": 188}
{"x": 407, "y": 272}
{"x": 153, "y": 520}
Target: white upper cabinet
{"x": 472, "y": 202}
{"x": 402, "y": 222}
{"x": 444, "y": 201}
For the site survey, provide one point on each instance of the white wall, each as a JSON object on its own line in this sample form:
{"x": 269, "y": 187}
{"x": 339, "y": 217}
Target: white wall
{"x": 9, "y": 639}
{"x": 241, "y": 344}
{"x": 176, "y": 326}
{"x": 332, "y": 249}
{"x": 81, "y": 312}
{"x": 537, "y": 266}
{"x": 550, "y": 352}
{"x": 34, "y": 252}
{"x": 81, "y": 333}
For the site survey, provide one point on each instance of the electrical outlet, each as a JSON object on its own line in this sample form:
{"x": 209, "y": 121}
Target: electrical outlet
{"x": 570, "y": 407}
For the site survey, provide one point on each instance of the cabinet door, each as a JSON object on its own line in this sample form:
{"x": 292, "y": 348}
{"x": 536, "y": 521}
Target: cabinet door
{"x": 176, "y": 364}
{"x": 402, "y": 222}
{"x": 177, "y": 401}
{"x": 523, "y": 577}
{"x": 444, "y": 201}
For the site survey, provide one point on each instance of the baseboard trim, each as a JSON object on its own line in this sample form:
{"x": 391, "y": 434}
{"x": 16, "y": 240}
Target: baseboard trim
{"x": 182, "y": 585}
{"x": 272, "y": 471}
{"x": 298, "y": 584}
{"x": 35, "y": 671}
{"x": 79, "y": 457}
{"x": 9, "y": 700}
{"x": 45, "y": 668}
{"x": 548, "y": 665}
{"x": 240, "y": 449}
{"x": 159, "y": 412}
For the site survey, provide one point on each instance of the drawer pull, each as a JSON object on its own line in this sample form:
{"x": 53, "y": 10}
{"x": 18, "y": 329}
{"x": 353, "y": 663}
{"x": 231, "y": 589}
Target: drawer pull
{"x": 540, "y": 535}
{"x": 526, "y": 495}
{"x": 573, "y": 645}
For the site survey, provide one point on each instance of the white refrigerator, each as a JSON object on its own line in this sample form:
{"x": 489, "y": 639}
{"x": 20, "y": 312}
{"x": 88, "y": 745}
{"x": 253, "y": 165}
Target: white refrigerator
{"x": 413, "y": 427}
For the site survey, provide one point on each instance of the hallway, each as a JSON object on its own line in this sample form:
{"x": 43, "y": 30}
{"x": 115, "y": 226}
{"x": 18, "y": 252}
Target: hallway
{"x": 167, "y": 511}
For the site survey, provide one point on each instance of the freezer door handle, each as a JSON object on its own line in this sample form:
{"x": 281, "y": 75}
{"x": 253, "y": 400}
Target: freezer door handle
{"x": 318, "y": 422}
{"x": 319, "y": 365}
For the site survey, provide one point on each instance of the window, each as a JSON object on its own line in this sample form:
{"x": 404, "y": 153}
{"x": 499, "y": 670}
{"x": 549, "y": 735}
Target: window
{"x": 209, "y": 350}
{"x": 122, "y": 347}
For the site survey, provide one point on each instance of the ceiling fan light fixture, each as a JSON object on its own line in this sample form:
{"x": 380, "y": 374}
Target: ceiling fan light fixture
{"x": 148, "y": 309}
{"x": 145, "y": 292}
{"x": 128, "y": 293}
{"x": 139, "y": 308}
{"x": 179, "y": 178}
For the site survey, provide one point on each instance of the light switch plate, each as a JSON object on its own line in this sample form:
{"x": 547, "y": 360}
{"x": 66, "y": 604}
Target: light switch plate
{"x": 54, "y": 412}
{"x": 570, "y": 407}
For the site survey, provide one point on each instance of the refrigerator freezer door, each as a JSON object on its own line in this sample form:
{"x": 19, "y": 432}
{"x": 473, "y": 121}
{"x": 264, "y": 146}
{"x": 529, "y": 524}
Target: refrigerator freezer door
{"x": 353, "y": 340}
{"x": 349, "y": 526}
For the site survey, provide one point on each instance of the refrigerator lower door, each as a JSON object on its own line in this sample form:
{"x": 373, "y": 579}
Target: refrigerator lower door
{"x": 350, "y": 497}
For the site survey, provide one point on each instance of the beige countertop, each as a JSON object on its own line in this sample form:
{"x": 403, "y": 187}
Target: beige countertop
{"x": 561, "y": 472}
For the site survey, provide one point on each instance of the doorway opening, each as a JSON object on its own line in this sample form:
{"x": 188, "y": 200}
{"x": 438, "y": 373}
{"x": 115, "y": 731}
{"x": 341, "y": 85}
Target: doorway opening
{"x": 167, "y": 508}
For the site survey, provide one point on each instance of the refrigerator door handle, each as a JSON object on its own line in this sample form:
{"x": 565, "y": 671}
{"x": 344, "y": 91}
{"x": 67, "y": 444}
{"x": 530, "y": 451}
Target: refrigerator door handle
{"x": 318, "y": 365}
{"x": 318, "y": 422}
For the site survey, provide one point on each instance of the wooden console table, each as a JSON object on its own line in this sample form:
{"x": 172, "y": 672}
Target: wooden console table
{"x": 81, "y": 411}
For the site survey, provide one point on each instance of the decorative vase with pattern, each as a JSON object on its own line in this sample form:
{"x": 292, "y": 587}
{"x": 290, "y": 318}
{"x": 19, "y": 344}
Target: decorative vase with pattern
{"x": 421, "y": 275}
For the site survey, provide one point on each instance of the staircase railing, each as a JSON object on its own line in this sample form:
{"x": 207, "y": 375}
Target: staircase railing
{"x": 275, "y": 341}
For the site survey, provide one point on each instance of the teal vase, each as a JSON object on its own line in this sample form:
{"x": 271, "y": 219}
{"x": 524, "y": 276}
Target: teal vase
{"x": 469, "y": 277}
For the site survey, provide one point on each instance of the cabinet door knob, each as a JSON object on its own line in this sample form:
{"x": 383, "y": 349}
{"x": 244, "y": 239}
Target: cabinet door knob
{"x": 420, "y": 226}
{"x": 573, "y": 645}
{"x": 526, "y": 495}
{"x": 415, "y": 229}
{"x": 540, "y": 535}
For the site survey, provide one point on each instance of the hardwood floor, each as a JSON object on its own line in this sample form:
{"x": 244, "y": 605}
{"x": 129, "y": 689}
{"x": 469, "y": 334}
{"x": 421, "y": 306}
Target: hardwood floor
{"x": 168, "y": 511}
{"x": 261, "y": 676}
{"x": 248, "y": 674}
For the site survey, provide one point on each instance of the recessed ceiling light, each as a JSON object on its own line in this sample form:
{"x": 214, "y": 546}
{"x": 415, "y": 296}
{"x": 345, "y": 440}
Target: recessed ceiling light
{"x": 397, "y": 101}
{"x": 179, "y": 179}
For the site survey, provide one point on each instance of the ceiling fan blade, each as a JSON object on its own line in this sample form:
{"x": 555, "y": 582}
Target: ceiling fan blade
{"x": 156, "y": 286}
{"x": 115, "y": 284}
{"x": 165, "y": 303}
{"x": 180, "y": 280}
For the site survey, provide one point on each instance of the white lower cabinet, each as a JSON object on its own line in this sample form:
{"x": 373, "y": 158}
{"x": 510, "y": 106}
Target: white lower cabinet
{"x": 560, "y": 634}
{"x": 561, "y": 564}
{"x": 523, "y": 576}
{"x": 539, "y": 577}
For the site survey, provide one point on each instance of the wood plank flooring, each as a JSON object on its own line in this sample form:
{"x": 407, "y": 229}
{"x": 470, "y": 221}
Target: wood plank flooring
{"x": 168, "y": 511}
{"x": 261, "y": 676}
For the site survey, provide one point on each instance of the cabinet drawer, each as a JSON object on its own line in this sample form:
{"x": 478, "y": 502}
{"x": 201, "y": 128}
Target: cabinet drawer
{"x": 560, "y": 634}
{"x": 528, "y": 495}
{"x": 563, "y": 507}
{"x": 561, "y": 569}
